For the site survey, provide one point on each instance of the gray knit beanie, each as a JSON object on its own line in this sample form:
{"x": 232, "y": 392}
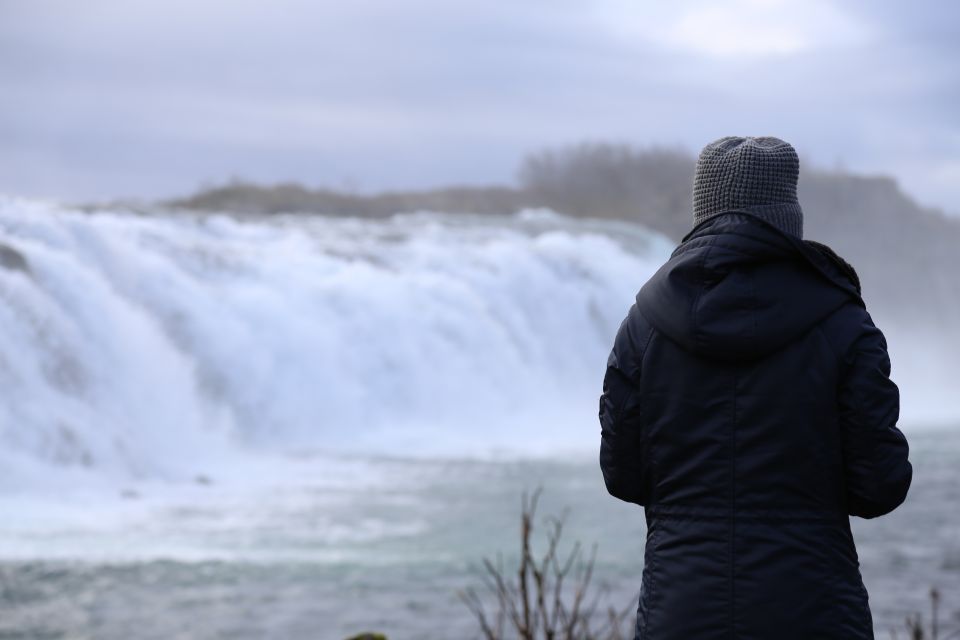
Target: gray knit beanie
{"x": 749, "y": 175}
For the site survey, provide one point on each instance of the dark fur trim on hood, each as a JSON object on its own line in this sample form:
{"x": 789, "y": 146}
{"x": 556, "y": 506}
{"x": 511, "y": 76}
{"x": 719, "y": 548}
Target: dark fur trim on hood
{"x": 832, "y": 255}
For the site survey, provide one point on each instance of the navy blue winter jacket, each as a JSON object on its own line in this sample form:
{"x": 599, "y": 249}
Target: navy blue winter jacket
{"x": 747, "y": 405}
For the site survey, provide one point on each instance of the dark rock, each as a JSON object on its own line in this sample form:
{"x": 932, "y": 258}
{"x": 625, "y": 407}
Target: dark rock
{"x": 12, "y": 259}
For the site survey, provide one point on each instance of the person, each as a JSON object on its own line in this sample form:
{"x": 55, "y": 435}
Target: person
{"x": 747, "y": 405}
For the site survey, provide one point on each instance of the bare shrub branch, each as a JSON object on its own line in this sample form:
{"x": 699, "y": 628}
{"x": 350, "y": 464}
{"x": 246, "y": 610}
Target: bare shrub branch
{"x": 550, "y": 597}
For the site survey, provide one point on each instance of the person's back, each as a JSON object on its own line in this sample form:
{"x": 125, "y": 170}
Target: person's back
{"x": 747, "y": 405}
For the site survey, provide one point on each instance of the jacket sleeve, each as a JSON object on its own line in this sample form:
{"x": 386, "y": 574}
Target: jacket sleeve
{"x": 621, "y": 429}
{"x": 875, "y": 451}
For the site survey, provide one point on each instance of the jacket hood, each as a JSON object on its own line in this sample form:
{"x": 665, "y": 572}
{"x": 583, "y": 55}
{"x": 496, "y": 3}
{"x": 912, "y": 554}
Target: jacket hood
{"x": 738, "y": 288}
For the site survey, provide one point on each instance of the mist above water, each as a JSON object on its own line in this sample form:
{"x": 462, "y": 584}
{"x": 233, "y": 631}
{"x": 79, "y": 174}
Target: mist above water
{"x": 159, "y": 347}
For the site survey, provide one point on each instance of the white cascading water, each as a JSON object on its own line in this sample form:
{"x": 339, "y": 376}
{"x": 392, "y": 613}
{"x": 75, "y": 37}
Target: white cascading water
{"x": 150, "y": 346}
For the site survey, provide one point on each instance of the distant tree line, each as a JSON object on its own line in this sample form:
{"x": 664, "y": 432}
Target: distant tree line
{"x": 908, "y": 256}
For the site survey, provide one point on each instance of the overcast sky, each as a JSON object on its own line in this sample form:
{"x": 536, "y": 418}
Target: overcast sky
{"x": 151, "y": 98}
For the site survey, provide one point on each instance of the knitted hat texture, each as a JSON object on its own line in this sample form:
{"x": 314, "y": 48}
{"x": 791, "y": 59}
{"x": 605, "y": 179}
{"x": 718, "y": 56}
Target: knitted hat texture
{"x": 749, "y": 175}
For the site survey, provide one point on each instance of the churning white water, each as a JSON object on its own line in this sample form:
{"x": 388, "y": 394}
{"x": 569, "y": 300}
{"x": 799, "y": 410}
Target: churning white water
{"x": 151, "y": 346}
{"x": 162, "y": 346}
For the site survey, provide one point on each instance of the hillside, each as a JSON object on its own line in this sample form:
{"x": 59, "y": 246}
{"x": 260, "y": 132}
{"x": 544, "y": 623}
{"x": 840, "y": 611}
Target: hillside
{"x": 907, "y": 255}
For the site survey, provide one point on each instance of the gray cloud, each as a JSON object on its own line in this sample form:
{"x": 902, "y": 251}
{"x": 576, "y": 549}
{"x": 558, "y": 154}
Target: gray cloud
{"x": 152, "y": 98}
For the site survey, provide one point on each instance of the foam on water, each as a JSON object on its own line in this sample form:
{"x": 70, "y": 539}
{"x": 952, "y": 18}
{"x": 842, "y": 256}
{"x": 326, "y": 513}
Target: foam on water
{"x": 157, "y": 347}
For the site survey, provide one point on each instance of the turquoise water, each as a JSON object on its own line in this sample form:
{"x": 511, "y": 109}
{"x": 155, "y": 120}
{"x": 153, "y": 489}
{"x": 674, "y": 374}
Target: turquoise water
{"x": 323, "y": 561}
